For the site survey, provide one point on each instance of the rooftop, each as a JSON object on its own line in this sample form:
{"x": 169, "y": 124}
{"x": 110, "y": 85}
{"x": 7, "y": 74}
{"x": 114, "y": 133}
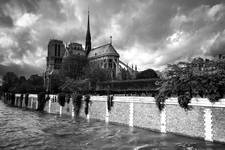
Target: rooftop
{"x": 104, "y": 50}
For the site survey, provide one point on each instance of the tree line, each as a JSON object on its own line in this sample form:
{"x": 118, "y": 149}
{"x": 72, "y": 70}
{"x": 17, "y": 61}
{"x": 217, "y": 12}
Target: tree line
{"x": 14, "y": 83}
{"x": 65, "y": 80}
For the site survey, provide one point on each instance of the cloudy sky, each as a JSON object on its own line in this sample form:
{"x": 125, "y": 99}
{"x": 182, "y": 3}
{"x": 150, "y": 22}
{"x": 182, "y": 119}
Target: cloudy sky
{"x": 148, "y": 33}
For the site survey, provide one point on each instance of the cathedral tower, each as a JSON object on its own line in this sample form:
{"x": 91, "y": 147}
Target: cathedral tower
{"x": 88, "y": 38}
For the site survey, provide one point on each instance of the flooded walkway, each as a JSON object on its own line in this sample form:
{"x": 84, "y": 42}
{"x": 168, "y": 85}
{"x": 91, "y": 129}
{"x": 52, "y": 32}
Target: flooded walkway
{"x": 24, "y": 129}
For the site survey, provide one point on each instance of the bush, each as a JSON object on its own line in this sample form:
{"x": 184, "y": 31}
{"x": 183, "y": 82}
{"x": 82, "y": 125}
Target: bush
{"x": 62, "y": 99}
{"x": 41, "y": 101}
{"x": 160, "y": 101}
{"x": 184, "y": 100}
{"x": 147, "y": 74}
{"x": 198, "y": 77}
{"x": 213, "y": 97}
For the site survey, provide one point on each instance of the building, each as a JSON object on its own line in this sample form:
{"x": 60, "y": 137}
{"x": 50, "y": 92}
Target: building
{"x": 56, "y": 51}
{"x": 106, "y": 57}
{"x": 73, "y": 61}
{"x": 64, "y": 56}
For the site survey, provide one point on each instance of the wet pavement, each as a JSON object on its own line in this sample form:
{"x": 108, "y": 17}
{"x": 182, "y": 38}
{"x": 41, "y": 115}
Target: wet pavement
{"x": 22, "y": 129}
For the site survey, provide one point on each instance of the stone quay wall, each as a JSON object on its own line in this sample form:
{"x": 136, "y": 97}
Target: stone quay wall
{"x": 204, "y": 120}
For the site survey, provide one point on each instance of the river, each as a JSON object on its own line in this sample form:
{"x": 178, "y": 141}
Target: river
{"x": 22, "y": 129}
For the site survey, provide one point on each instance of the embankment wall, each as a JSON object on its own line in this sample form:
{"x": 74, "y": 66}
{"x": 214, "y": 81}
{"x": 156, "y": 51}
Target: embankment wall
{"x": 204, "y": 120}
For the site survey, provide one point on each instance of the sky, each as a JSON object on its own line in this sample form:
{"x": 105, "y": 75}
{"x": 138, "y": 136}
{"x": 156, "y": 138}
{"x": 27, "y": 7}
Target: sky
{"x": 146, "y": 33}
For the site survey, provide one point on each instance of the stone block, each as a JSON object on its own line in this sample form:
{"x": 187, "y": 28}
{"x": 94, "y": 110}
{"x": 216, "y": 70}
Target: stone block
{"x": 146, "y": 116}
{"x": 190, "y": 123}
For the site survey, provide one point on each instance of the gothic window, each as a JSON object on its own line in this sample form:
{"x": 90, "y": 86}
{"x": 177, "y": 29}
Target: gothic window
{"x": 55, "y": 49}
{"x": 58, "y": 50}
{"x": 110, "y": 65}
{"x": 114, "y": 65}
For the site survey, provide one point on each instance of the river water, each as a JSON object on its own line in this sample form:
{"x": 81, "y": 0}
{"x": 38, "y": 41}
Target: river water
{"x": 29, "y": 130}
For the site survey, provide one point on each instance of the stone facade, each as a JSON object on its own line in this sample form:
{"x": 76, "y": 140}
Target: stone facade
{"x": 120, "y": 113}
{"x": 73, "y": 61}
{"x": 106, "y": 57}
{"x": 189, "y": 123}
{"x": 218, "y": 124}
{"x": 150, "y": 116}
{"x": 98, "y": 110}
{"x": 56, "y": 51}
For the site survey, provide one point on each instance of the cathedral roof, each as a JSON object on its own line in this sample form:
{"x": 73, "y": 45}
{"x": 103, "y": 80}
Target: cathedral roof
{"x": 104, "y": 50}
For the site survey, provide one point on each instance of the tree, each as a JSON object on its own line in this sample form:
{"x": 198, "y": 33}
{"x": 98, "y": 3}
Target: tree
{"x": 97, "y": 74}
{"x": 73, "y": 66}
{"x": 204, "y": 78}
{"x": 71, "y": 85}
{"x": 10, "y": 81}
{"x": 125, "y": 74}
{"x": 56, "y": 80}
{"x": 36, "y": 83}
{"x": 23, "y": 85}
{"x": 147, "y": 74}
{"x": 22, "y": 79}
{"x": 36, "y": 80}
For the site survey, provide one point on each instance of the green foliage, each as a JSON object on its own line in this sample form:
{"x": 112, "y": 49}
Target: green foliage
{"x": 204, "y": 78}
{"x": 62, "y": 99}
{"x": 125, "y": 74}
{"x": 56, "y": 80}
{"x": 184, "y": 100}
{"x": 41, "y": 101}
{"x": 36, "y": 80}
{"x": 71, "y": 85}
{"x": 12, "y": 83}
{"x": 214, "y": 97}
{"x": 164, "y": 93}
{"x": 97, "y": 74}
{"x": 23, "y": 87}
{"x": 73, "y": 66}
{"x": 147, "y": 74}
{"x": 160, "y": 101}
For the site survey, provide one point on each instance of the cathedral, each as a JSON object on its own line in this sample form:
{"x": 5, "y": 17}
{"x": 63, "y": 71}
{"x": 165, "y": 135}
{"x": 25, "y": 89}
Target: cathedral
{"x": 104, "y": 56}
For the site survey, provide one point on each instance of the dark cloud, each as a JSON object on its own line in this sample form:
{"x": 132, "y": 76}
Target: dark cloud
{"x": 30, "y": 6}
{"x": 26, "y": 5}
{"x": 5, "y": 21}
{"x": 25, "y": 70}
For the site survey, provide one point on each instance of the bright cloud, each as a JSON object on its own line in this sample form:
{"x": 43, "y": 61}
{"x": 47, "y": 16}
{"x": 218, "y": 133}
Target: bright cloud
{"x": 6, "y": 41}
{"x": 27, "y": 20}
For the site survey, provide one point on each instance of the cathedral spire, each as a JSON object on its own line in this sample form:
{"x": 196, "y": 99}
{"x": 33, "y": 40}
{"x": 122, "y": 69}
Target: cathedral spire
{"x": 88, "y": 38}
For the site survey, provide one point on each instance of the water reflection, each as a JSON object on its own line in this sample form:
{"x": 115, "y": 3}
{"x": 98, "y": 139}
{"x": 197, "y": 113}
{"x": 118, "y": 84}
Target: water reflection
{"x": 24, "y": 129}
